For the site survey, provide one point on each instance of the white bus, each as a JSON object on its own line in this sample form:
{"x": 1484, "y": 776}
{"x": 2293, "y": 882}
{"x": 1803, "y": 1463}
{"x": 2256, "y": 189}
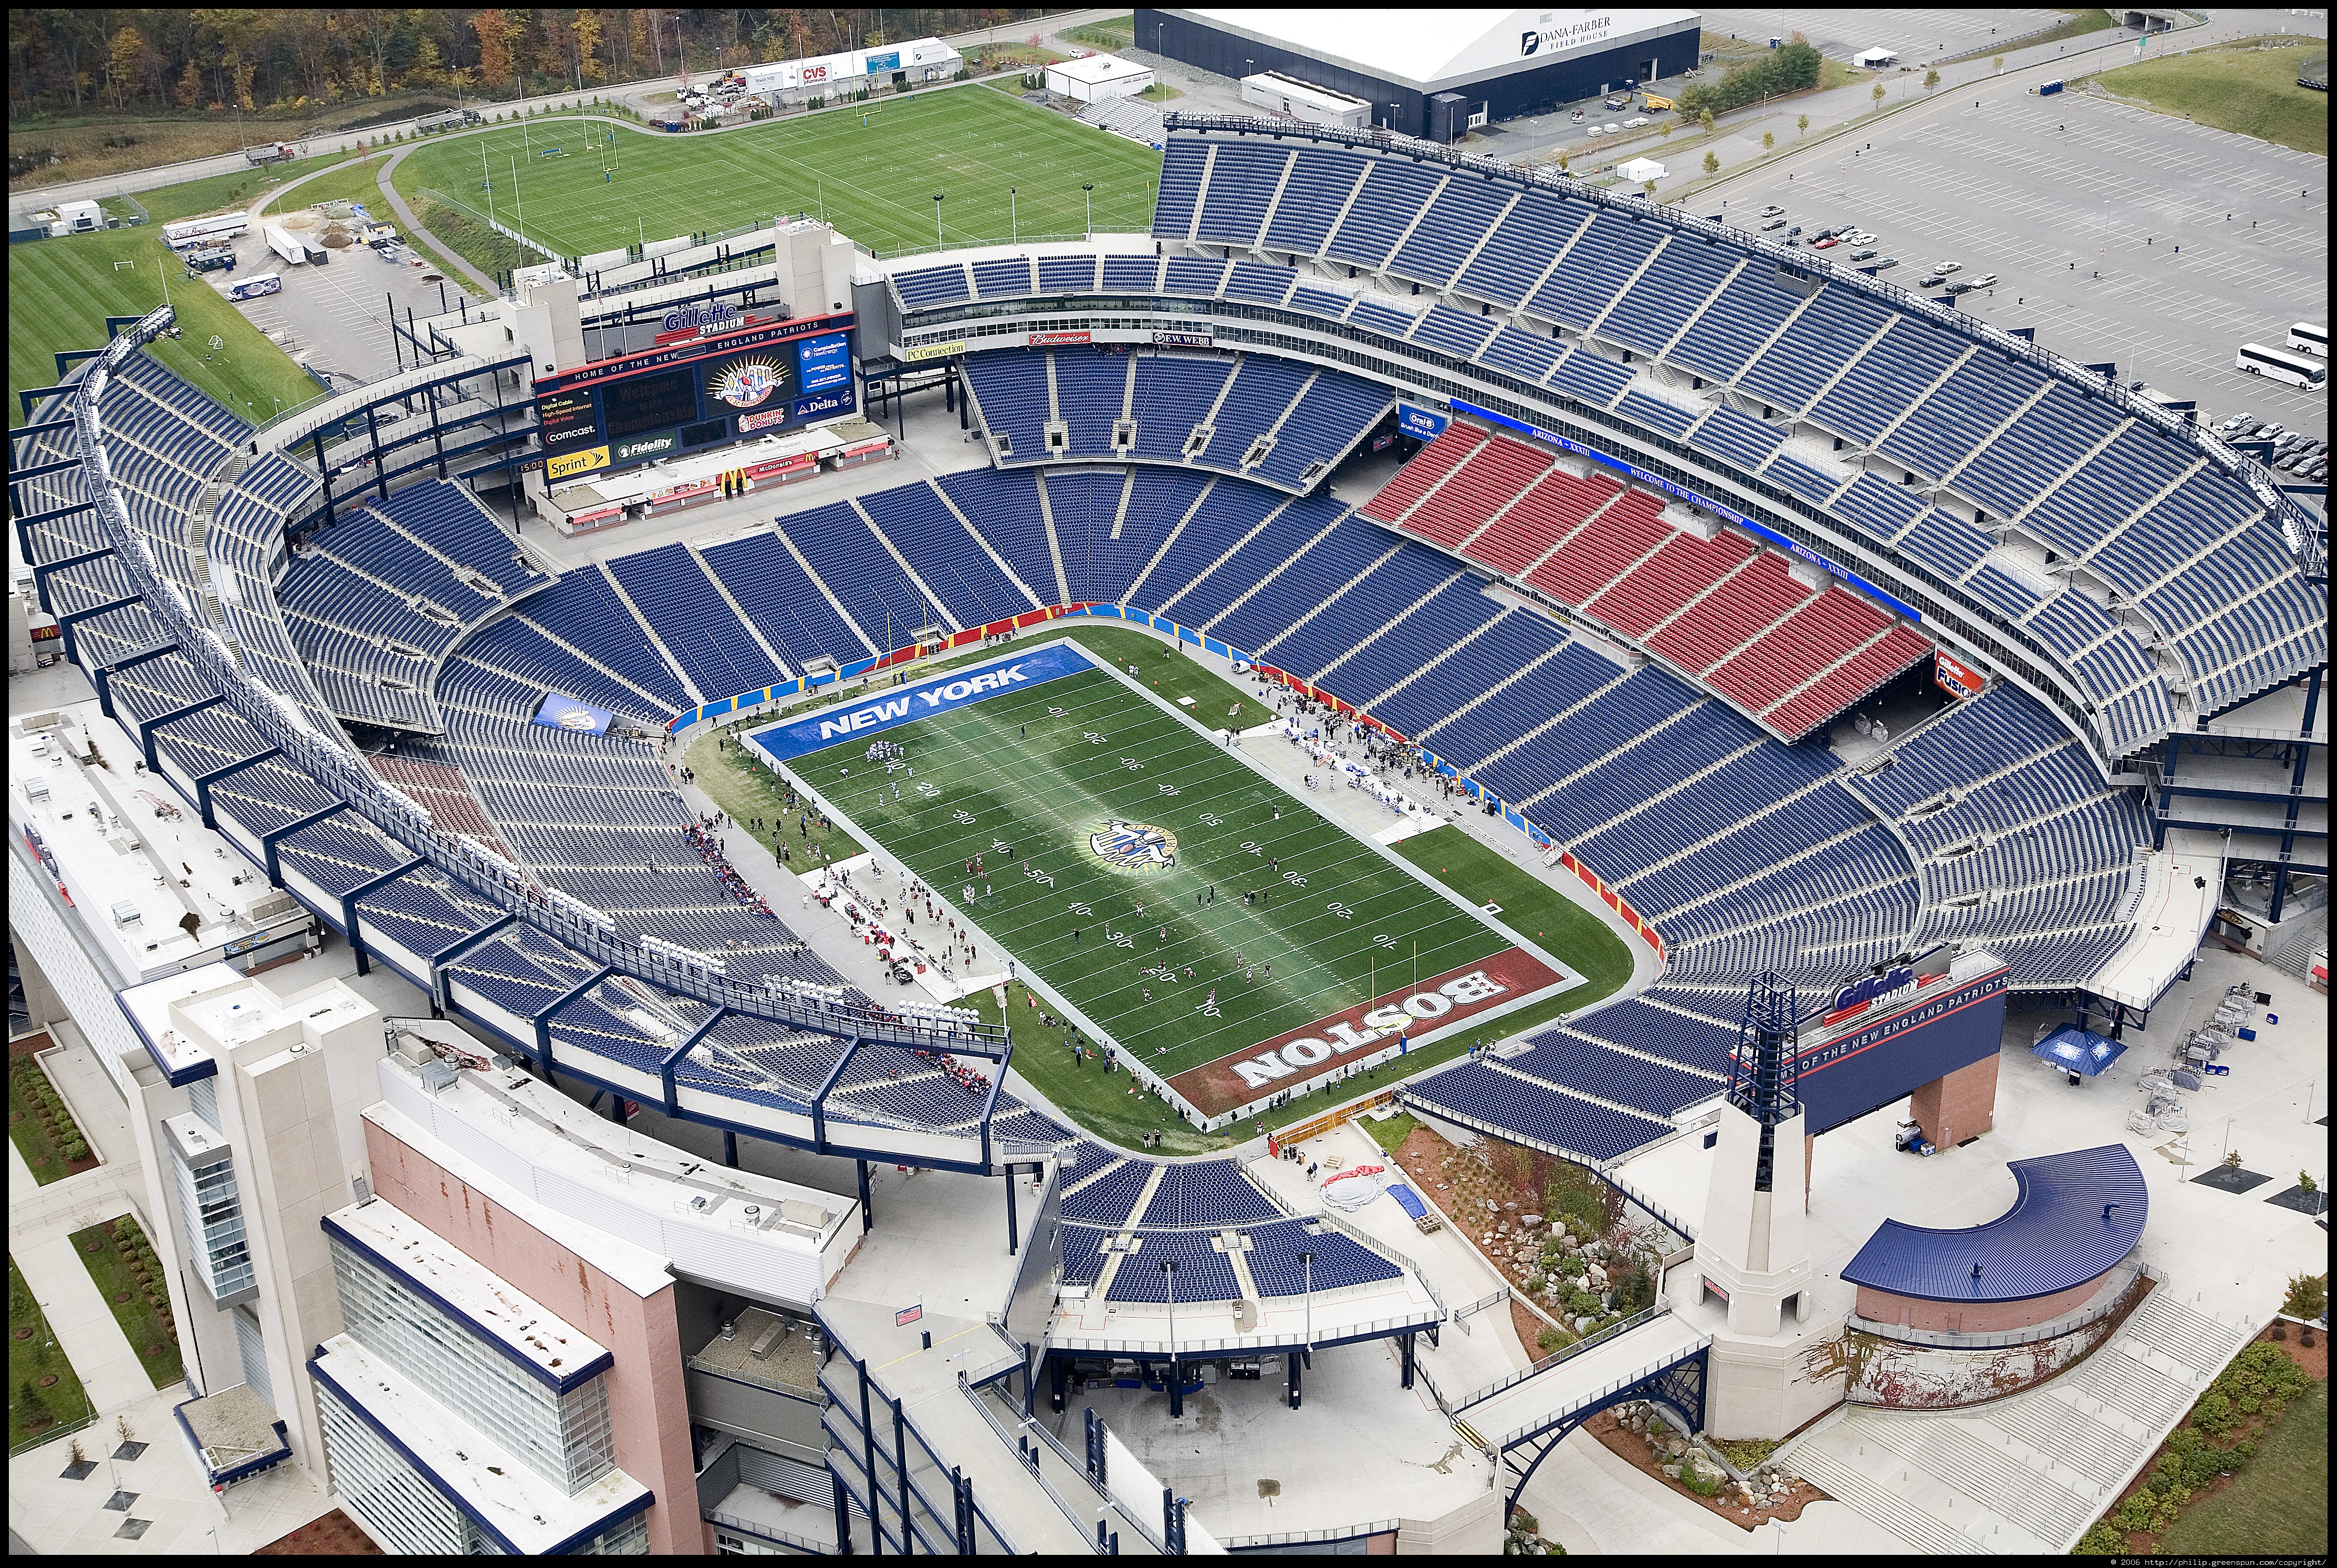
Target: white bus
{"x": 2294, "y": 369}
{"x": 2306, "y": 337}
{"x": 213, "y": 231}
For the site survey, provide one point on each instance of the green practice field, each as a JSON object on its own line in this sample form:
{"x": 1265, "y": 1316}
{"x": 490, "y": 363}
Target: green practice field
{"x": 1028, "y": 778}
{"x": 60, "y": 292}
{"x": 874, "y": 182}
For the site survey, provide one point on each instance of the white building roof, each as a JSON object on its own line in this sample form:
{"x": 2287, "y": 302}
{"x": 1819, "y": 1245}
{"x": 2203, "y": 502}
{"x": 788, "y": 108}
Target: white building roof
{"x": 1097, "y": 70}
{"x": 533, "y": 1332}
{"x": 186, "y": 1020}
{"x": 629, "y": 1204}
{"x": 1430, "y": 50}
{"x": 528, "y": 1510}
{"x": 125, "y": 862}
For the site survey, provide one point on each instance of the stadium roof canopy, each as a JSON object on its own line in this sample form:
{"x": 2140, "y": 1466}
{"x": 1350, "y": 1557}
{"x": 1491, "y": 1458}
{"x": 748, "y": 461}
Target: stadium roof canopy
{"x": 1433, "y": 50}
{"x": 2078, "y": 1215}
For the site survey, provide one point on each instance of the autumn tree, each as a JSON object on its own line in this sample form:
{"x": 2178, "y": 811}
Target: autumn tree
{"x": 126, "y": 56}
{"x": 587, "y": 30}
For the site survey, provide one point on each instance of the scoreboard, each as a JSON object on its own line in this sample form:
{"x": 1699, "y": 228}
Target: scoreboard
{"x": 710, "y": 390}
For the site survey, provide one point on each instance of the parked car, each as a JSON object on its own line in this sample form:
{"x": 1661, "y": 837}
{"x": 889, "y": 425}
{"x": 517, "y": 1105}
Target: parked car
{"x": 1826, "y": 242}
{"x": 1985, "y": 281}
{"x": 2235, "y": 425}
{"x": 1867, "y": 255}
{"x": 1930, "y": 280}
{"x": 1945, "y": 269}
{"x": 1773, "y": 224}
{"x": 1772, "y": 210}
{"x": 1887, "y": 261}
{"x": 1959, "y": 287}
{"x": 1796, "y": 229}
{"x": 1825, "y": 234}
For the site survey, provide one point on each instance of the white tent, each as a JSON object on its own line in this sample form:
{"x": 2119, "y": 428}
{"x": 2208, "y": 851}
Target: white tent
{"x": 1640, "y": 169}
{"x": 1869, "y": 58}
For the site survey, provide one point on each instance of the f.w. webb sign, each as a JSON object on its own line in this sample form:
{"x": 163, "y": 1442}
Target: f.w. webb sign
{"x": 1303, "y": 1054}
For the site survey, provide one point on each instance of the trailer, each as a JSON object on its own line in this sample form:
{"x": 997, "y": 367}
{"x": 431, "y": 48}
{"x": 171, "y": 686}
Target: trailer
{"x": 253, "y": 288}
{"x": 288, "y": 249}
{"x": 272, "y": 152}
{"x": 217, "y": 229}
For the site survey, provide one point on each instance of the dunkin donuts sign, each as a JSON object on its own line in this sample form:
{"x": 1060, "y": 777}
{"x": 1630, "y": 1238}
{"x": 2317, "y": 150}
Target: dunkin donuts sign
{"x": 1431, "y": 1006}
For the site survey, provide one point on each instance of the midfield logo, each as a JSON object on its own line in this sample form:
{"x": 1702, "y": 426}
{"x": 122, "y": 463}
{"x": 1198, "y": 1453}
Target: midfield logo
{"x": 1128, "y": 846}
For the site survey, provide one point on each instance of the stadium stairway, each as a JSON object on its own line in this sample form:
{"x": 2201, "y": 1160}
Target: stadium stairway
{"x": 1429, "y": 671}
{"x": 2027, "y": 1474}
{"x": 1620, "y": 677}
{"x": 649, "y": 635}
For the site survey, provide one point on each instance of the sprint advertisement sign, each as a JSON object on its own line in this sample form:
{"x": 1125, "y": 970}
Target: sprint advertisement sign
{"x": 569, "y": 464}
{"x": 900, "y": 704}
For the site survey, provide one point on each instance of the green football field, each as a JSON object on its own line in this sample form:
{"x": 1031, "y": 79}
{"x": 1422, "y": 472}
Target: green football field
{"x": 1284, "y": 919}
{"x": 876, "y": 182}
{"x": 60, "y": 292}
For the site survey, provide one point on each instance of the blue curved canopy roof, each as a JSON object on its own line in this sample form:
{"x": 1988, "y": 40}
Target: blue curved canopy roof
{"x": 2060, "y": 1232}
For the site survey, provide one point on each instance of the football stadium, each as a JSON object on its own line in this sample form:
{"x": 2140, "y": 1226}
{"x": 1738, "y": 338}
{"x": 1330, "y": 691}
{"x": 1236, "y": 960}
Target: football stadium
{"x": 1293, "y": 840}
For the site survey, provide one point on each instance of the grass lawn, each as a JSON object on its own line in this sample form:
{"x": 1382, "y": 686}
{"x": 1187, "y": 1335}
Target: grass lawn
{"x": 1529, "y": 907}
{"x": 2248, "y": 86}
{"x": 1391, "y": 1134}
{"x": 740, "y": 784}
{"x": 1333, "y": 924}
{"x": 1112, "y": 32}
{"x": 41, "y": 1124}
{"x": 875, "y": 182}
{"x": 43, "y": 1392}
{"x": 142, "y": 1311}
{"x": 352, "y": 180}
{"x": 1332, "y": 916}
{"x": 60, "y": 292}
{"x": 1099, "y": 1101}
{"x": 2277, "y": 1505}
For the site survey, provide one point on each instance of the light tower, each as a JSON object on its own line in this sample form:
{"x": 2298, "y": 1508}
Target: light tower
{"x": 1754, "y": 1251}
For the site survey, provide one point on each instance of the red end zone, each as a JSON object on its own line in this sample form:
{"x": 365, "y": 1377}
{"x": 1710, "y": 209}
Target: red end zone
{"x": 1302, "y": 1055}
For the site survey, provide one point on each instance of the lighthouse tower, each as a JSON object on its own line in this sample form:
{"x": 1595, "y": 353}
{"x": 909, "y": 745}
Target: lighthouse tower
{"x": 1754, "y": 1252}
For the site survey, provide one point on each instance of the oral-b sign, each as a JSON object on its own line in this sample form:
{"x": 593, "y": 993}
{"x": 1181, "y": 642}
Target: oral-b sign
{"x": 901, "y": 705}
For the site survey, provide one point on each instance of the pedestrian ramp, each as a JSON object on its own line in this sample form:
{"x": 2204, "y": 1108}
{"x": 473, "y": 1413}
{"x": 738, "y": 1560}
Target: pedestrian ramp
{"x": 2028, "y": 1474}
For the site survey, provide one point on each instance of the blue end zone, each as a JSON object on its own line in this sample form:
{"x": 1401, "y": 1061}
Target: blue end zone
{"x": 901, "y": 705}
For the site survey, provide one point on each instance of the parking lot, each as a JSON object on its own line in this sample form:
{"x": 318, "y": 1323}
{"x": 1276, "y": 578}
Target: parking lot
{"x": 1919, "y": 36}
{"x": 334, "y": 318}
{"x": 2119, "y": 235}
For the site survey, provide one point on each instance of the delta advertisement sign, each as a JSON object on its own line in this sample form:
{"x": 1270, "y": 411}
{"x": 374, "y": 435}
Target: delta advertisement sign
{"x": 783, "y": 742}
{"x": 1433, "y": 1005}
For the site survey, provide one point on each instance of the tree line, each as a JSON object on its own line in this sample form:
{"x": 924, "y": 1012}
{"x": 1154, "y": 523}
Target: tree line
{"x": 102, "y": 61}
{"x": 1789, "y": 69}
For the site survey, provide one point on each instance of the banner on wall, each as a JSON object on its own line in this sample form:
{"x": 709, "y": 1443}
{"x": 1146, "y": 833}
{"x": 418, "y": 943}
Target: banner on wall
{"x": 560, "y": 711}
{"x": 1421, "y": 424}
{"x": 1956, "y": 677}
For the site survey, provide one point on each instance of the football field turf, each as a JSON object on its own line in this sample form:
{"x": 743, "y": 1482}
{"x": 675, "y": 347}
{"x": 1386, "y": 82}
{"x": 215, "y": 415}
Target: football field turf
{"x": 1120, "y": 846}
{"x": 1003, "y": 168}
